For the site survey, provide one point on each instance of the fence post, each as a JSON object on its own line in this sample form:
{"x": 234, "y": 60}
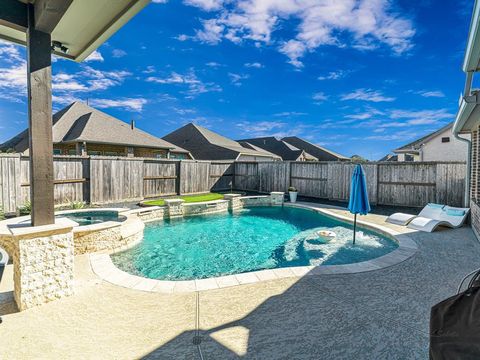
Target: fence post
{"x": 178, "y": 182}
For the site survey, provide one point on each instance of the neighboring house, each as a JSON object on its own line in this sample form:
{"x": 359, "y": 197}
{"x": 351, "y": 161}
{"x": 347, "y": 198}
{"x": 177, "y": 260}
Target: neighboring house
{"x": 80, "y": 129}
{"x": 467, "y": 122}
{"x": 440, "y": 145}
{"x": 319, "y": 152}
{"x": 281, "y": 148}
{"x": 389, "y": 157}
{"x": 204, "y": 144}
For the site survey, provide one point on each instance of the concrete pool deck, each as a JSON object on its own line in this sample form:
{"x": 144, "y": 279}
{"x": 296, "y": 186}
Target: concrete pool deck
{"x": 370, "y": 315}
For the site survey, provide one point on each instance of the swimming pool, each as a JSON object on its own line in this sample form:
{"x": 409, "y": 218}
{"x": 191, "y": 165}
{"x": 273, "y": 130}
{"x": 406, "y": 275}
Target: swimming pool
{"x": 253, "y": 239}
{"x": 92, "y": 217}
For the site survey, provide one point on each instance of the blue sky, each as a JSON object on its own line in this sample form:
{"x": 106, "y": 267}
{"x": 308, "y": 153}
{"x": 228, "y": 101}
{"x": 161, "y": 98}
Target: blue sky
{"x": 359, "y": 77}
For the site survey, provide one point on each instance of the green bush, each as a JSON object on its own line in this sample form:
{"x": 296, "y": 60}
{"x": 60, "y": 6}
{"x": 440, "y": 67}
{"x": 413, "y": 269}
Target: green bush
{"x": 2, "y": 213}
{"x": 77, "y": 205}
{"x": 26, "y": 209}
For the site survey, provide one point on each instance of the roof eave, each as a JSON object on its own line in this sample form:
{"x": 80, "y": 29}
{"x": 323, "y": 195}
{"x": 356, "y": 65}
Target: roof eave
{"x": 463, "y": 116}
{"x": 472, "y": 54}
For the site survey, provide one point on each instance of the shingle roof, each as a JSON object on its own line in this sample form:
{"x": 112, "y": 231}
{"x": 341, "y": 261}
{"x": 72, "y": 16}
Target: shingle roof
{"x": 79, "y": 122}
{"x": 321, "y": 153}
{"x": 208, "y": 145}
{"x": 415, "y": 145}
{"x": 278, "y": 147}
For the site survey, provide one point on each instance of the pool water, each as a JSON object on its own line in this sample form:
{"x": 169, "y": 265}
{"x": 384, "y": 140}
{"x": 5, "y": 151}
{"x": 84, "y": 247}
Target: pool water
{"x": 253, "y": 239}
{"x": 92, "y": 217}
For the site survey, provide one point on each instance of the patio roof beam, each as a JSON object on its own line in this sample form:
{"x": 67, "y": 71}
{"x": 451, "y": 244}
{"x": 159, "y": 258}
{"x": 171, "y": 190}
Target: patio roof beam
{"x": 39, "y": 80}
{"x": 13, "y": 14}
{"x": 48, "y": 13}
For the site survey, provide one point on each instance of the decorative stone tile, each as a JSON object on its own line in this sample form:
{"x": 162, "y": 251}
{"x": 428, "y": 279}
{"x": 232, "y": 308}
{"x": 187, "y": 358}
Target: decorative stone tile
{"x": 206, "y": 284}
{"x": 164, "y": 286}
{"x": 284, "y": 272}
{"x": 265, "y": 275}
{"x": 184, "y": 286}
{"x": 146, "y": 284}
{"x": 246, "y": 278}
{"x": 226, "y": 281}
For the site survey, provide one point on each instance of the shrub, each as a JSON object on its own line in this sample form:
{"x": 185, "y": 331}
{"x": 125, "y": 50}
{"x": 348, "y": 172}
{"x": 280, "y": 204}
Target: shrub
{"x": 77, "y": 205}
{"x": 292, "y": 189}
{"x": 26, "y": 208}
{"x": 2, "y": 213}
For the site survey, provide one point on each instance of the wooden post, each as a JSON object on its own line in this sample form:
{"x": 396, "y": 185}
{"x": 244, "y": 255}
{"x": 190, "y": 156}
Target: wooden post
{"x": 39, "y": 79}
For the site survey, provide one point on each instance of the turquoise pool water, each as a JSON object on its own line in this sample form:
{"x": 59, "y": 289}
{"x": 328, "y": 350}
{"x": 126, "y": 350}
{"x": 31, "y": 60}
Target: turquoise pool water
{"x": 92, "y": 217}
{"x": 254, "y": 239}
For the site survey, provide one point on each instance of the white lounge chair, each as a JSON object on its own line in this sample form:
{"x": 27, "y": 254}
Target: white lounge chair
{"x": 429, "y": 211}
{"x": 450, "y": 216}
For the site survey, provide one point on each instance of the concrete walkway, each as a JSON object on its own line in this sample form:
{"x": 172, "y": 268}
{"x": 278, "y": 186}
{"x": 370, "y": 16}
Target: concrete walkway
{"x": 381, "y": 314}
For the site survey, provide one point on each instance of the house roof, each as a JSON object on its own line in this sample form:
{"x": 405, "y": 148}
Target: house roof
{"x": 389, "y": 157}
{"x": 275, "y": 146}
{"x": 193, "y": 138}
{"x": 79, "y": 122}
{"x": 321, "y": 153}
{"x": 415, "y": 145}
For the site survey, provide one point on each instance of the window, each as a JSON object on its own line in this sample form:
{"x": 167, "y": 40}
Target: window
{"x": 160, "y": 154}
{"x": 57, "y": 152}
{"x": 72, "y": 152}
{"x": 177, "y": 156}
{"x": 111, "y": 153}
{"x": 445, "y": 139}
{"x": 90, "y": 152}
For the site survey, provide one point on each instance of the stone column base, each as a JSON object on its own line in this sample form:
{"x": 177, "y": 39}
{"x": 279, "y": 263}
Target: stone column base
{"x": 234, "y": 202}
{"x": 174, "y": 208}
{"x": 42, "y": 262}
{"x": 277, "y": 197}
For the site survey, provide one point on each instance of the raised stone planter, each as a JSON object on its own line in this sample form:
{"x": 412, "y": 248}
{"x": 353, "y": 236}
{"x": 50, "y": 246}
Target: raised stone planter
{"x": 277, "y": 197}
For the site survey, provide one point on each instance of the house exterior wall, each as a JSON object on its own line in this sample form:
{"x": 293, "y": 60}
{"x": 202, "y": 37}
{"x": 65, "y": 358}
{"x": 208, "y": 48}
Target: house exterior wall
{"x": 436, "y": 150}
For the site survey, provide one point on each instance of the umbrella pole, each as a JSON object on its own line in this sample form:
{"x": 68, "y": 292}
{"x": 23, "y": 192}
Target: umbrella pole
{"x": 354, "y": 227}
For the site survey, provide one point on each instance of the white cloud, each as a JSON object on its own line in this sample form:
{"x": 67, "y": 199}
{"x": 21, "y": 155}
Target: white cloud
{"x": 367, "y": 95}
{"x": 236, "y": 79}
{"x": 207, "y": 5}
{"x": 130, "y": 104}
{"x": 182, "y": 37}
{"x": 95, "y": 56}
{"x": 211, "y": 32}
{"x": 319, "y": 97}
{"x": 361, "y": 24}
{"x": 422, "y": 117}
{"x": 436, "y": 93}
{"x": 263, "y": 128}
{"x": 214, "y": 64}
{"x": 194, "y": 84}
{"x": 334, "y": 75}
{"x": 118, "y": 53}
{"x": 289, "y": 114}
{"x": 256, "y": 65}
{"x": 159, "y": 1}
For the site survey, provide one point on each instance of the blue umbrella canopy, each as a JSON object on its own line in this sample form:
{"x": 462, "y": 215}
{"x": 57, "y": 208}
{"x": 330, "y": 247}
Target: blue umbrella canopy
{"x": 358, "y": 203}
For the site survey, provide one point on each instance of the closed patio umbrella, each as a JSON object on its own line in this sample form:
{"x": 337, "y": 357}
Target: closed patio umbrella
{"x": 358, "y": 203}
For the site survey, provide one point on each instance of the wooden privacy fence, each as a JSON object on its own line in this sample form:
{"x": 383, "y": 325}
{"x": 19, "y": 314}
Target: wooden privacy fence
{"x": 103, "y": 180}
{"x": 398, "y": 184}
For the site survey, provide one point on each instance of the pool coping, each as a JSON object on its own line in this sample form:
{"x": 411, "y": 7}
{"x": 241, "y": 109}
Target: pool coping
{"x": 103, "y": 267}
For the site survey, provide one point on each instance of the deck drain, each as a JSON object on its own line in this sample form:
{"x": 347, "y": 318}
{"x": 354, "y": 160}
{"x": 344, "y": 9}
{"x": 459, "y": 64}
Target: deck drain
{"x": 197, "y": 340}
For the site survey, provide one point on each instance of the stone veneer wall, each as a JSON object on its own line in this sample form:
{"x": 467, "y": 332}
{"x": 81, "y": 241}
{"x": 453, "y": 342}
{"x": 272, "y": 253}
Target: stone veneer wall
{"x": 256, "y": 200}
{"x": 211, "y": 207}
{"x": 43, "y": 267}
{"x": 108, "y": 237}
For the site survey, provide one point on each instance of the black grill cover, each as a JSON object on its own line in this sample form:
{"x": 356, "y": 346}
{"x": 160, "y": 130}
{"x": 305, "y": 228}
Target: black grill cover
{"x": 455, "y": 327}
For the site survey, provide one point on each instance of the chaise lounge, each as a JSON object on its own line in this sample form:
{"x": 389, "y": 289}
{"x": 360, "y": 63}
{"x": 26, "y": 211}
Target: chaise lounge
{"x": 431, "y": 216}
